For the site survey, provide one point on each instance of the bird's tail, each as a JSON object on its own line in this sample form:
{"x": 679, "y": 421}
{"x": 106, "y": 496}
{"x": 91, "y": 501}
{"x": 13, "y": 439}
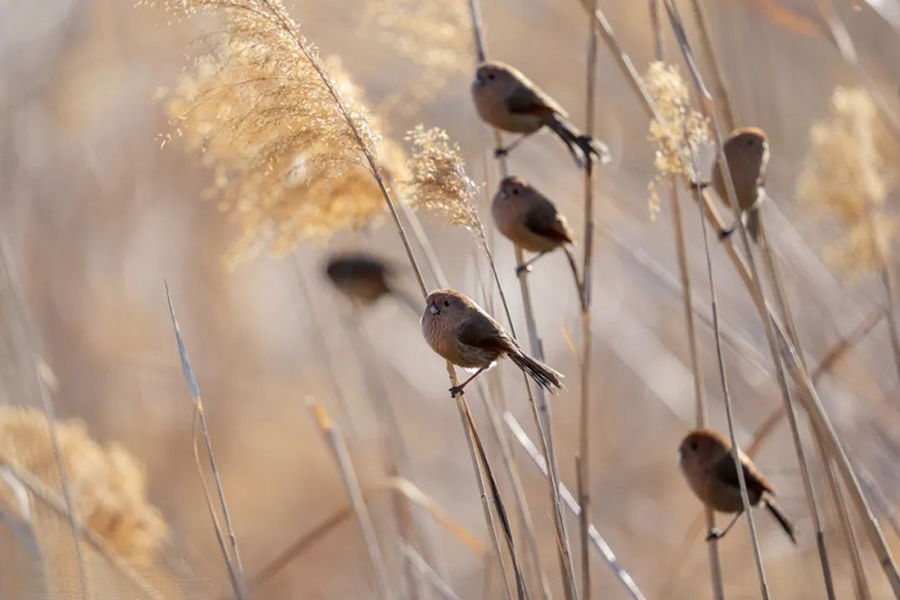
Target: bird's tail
{"x": 782, "y": 519}
{"x": 585, "y": 144}
{"x": 543, "y": 375}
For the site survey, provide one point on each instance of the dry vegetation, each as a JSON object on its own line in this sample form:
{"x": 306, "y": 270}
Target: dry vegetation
{"x": 276, "y": 156}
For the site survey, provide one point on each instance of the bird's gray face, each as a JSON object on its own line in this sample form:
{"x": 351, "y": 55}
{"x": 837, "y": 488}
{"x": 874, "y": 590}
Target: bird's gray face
{"x": 439, "y": 305}
{"x": 487, "y": 75}
{"x": 510, "y": 188}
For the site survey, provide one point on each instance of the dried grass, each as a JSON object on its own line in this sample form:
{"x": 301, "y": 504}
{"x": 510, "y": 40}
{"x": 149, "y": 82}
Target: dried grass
{"x": 848, "y": 176}
{"x": 108, "y": 484}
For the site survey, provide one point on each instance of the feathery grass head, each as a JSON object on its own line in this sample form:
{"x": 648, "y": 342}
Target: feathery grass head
{"x": 107, "y": 482}
{"x": 286, "y": 163}
{"x": 434, "y": 34}
{"x": 677, "y": 132}
{"x": 847, "y": 178}
{"x": 438, "y": 180}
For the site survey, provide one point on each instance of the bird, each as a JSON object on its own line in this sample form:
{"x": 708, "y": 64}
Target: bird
{"x": 530, "y": 220}
{"x": 364, "y": 278}
{"x": 508, "y": 100}
{"x": 708, "y": 465}
{"x": 747, "y": 151}
{"x": 460, "y": 331}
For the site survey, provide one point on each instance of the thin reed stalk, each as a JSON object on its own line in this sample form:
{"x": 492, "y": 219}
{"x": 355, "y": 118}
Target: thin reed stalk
{"x": 715, "y": 563}
{"x": 397, "y": 454}
{"x": 44, "y": 394}
{"x": 786, "y": 314}
{"x": 499, "y": 507}
{"x": 290, "y": 29}
{"x": 298, "y": 547}
{"x": 51, "y": 499}
{"x": 779, "y": 341}
{"x": 583, "y": 456}
{"x": 720, "y": 83}
{"x": 729, "y": 415}
{"x": 509, "y": 462}
{"x": 230, "y": 551}
{"x": 540, "y": 407}
{"x": 537, "y": 458}
{"x": 335, "y": 441}
{"x": 427, "y": 572}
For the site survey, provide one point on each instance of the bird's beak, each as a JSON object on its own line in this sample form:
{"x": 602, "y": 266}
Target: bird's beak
{"x": 503, "y": 194}
{"x": 433, "y": 309}
{"x": 479, "y": 80}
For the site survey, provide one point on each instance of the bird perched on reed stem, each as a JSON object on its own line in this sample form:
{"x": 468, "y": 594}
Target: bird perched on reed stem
{"x": 747, "y": 152}
{"x": 364, "y": 278}
{"x": 508, "y": 100}
{"x": 460, "y": 331}
{"x": 708, "y": 465}
{"x": 531, "y": 221}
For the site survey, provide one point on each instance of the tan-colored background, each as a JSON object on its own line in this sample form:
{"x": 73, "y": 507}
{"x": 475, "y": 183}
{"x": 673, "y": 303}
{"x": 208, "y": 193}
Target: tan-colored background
{"x": 97, "y": 215}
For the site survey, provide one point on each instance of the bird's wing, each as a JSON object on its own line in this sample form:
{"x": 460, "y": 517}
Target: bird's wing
{"x": 530, "y": 100}
{"x": 544, "y": 220}
{"x": 481, "y": 331}
{"x": 724, "y": 469}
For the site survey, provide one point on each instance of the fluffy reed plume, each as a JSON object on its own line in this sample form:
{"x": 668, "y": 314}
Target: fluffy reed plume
{"x": 108, "y": 484}
{"x": 677, "y": 127}
{"x": 286, "y": 164}
{"x": 847, "y": 178}
{"x": 433, "y": 34}
{"x": 438, "y": 180}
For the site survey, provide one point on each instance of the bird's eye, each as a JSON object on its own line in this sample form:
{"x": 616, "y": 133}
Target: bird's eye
{"x": 491, "y": 76}
{"x": 750, "y": 142}
{"x": 446, "y": 303}
{"x": 516, "y": 191}
{"x": 693, "y": 445}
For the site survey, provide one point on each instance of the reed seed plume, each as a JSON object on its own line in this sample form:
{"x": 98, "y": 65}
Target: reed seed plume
{"x": 438, "y": 181}
{"x": 848, "y": 176}
{"x": 432, "y": 34}
{"x": 108, "y": 484}
{"x": 285, "y": 162}
{"x": 677, "y": 126}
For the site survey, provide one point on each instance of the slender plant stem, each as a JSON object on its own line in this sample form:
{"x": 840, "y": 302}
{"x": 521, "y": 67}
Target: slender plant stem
{"x": 715, "y": 563}
{"x": 583, "y": 457}
{"x": 21, "y": 307}
{"x": 571, "y": 503}
{"x": 735, "y": 449}
{"x": 709, "y": 50}
{"x": 786, "y": 314}
{"x": 332, "y": 435}
{"x": 290, "y": 29}
{"x": 539, "y": 404}
{"x": 427, "y": 571}
{"x": 230, "y": 550}
{"x": 779, "y": 341}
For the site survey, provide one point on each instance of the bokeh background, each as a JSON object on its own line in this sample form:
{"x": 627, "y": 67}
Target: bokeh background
{"x": 97, "y": 212}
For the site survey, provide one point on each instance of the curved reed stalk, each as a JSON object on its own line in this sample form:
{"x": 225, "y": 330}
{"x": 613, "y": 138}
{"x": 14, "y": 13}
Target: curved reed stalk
{"x": 230, "y": 550}
{"x": 583, "y": 457}
{"x": 726, "y": 396}
{"x": 540, "y": 407}
{"x": 715, "y": 563}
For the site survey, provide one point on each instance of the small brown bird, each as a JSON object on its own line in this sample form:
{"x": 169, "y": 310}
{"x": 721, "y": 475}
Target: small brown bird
{"x": 508, "y": 100}
{"x": 529, "y": 219}
{"x": 747, "y": 151}
{"x": 459, "y": 330}
{"x": 364, "y": 278}
{"x": 708, "y": 466}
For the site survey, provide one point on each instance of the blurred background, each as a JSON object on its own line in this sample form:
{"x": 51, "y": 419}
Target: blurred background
{"x": 97, "y": 212}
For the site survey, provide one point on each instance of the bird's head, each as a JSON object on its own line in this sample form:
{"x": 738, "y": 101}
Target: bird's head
{"x": 699, "y": 448}
{"x": 512, "y": 187}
